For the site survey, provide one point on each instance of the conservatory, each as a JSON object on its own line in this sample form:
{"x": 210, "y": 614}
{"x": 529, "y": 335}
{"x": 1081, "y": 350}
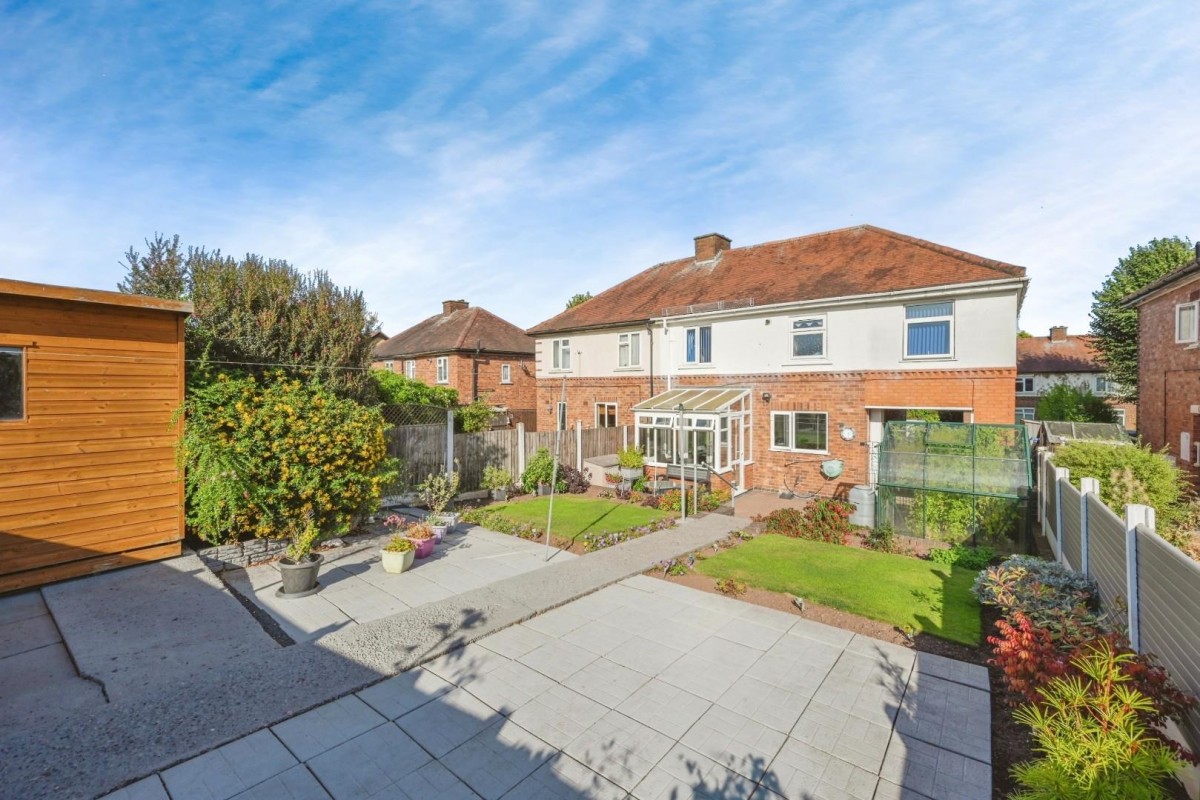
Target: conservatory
{"x": 705, "y": 427}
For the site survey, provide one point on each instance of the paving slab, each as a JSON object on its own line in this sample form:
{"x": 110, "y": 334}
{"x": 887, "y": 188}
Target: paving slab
{"x": 230, "y": 770}
{"x": 498, "y": 758}
{"x": 564, "y": 777}
{"x": 369, "y": 764}
{"x": 327, "y": 726}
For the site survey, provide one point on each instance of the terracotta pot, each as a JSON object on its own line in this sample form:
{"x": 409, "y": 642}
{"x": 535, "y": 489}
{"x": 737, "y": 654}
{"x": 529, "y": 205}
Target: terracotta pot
{"x": 395, "y": 562}
{"x": 424, "y": 547}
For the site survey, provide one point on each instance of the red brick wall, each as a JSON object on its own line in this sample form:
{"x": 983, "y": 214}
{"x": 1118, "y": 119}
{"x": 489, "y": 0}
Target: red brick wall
{"x": 1168, "y": 373}
{"x": 520, "y": 394}
{"x": 843, "y": 396}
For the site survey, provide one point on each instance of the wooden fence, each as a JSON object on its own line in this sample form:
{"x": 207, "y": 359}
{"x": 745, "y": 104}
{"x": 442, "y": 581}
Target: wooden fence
{"x": 422, "y": 450}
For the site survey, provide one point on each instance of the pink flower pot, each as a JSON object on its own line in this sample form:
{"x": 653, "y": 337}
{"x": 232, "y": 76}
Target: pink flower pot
{"x": 424, "y": 547}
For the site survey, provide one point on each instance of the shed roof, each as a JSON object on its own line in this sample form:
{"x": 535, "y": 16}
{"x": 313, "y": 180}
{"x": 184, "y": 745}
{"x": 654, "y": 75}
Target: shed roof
{"x": 705, "y": 401}
{"x": 1060, "y": 432}
{"x": 47, "y": 291}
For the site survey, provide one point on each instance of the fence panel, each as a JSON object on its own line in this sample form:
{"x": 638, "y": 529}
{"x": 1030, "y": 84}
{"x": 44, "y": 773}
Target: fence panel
{"x": 1072, "y": 528}
{"x": 1106, "y": 555}
{"x": 1169, "y": 599}
{"x": 602, "y": 441}
{"x": 476, "y": 451}
{"x": 547, "y": 439}
{"x": 420, "y": 448}
{"x": 1048, "y": 482}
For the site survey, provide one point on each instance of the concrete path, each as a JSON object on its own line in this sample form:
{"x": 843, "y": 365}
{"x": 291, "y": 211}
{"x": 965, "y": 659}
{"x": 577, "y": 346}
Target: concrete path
{"x": 356, "y": 589}
{"x": 644, "y": 689}
{"x": 84, "y": 754}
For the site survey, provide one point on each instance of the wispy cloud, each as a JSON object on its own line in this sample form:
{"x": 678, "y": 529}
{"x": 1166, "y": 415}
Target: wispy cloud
{"x": 516, "y": 153}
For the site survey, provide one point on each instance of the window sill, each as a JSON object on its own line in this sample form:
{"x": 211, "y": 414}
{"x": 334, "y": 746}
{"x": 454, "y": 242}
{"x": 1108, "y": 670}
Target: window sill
{"x": 802, "y": 452}
{"x": 807, "y": 362}
{"x": 559, "y": 372}
{"x": 708, "y": 365}
{"x": 628, "y": 369}
{"x": 506, "y": 383}
{"x": 930, "y": 358}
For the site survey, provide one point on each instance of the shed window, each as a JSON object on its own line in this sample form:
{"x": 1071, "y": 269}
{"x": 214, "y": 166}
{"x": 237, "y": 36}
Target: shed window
{"x": 12, "y": 383}
{"x": 928, "y": 330}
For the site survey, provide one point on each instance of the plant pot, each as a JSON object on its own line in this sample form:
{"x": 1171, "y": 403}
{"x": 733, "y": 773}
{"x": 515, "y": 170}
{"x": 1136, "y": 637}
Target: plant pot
{"x": 543, "y": 489}
{"x": 395, "y": 562}
{"x": 450, "y": 518}
{"x": 500, "y": 494}
{"x": 439, "y": 532}
{"x": 631, "y": 473}
{"x": 424, "y": 547}
{"x": 298, "y": 578}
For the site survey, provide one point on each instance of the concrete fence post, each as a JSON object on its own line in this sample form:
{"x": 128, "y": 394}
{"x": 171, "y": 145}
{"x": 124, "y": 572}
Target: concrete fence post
{"x": 1086, "y": 486}
{"x": 520, "y": 450}
{"x": 624, "y": 437}
{"x": 1060, "y": 474}
{"x": 449, "y": 441}
{"x": 579, "y": 445}
{"x": 1135, "y": 514}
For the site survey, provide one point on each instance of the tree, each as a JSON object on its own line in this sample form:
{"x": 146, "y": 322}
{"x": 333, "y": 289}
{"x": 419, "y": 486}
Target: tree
{"x": 1116, "y": 327}
{"x": 256, "y": 315}
{"x": 1068, "y": 403}
{"x": 1024, "y": 334}
{"x": 476, "y": 416}
{"x": 575, "y": 300}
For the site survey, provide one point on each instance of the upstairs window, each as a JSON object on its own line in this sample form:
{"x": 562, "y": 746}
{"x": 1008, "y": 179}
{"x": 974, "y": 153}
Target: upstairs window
{"x": 562, "y": 354}
{"x": 808, "y": 337}
{"x": 1105, "y": 385}
{"x": 410, "y": 370}
{"x": 1024, "y": 385}
{"x": 506, "y": 373}
{"x": 1185, "y": 323}
{"x": 12, "y": 383}
{"x": 698, "y": 347}
{"x": 629, "y": 350}
{"x": 929, "y": 330}
{"x": 443, "y": 369}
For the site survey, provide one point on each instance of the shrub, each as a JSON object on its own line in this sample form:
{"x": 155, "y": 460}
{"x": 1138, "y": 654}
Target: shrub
{"x": 730, "y": 587}
{"x": 962, "y": 556}
{"x": 539, "y": 471}
{"x": 439, "y": 489}
{"x": 496, "y": 478}
{"x": 674, "y": 501}
{"x": 882, "y": 538}
{"x": 1033, "y": 585}
{"x": 1065, "y": 402}
{"x": 785, "y": 522}
{"x": 572, "y": 480}
{"x": 822, "y": 520}
{"x": 631, "y": 458}
{"x": 261, "y": 459}
{"x": 1091, "y": 733}
{"x": 1135, "y": 469}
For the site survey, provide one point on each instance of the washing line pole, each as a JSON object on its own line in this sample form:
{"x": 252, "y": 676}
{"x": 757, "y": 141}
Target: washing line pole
{"x": 558, "y": 429}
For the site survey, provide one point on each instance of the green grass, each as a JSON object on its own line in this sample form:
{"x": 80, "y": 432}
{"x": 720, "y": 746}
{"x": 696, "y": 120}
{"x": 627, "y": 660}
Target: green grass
{"x": 901, "y": 590}
{"x": 575, "y": 516}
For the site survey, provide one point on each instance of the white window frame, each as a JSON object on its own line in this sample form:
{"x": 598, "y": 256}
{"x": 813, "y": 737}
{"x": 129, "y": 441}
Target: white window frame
{"x": 1026, "y": 414}
{"x": 1188, "y": 337}
{"x": 443, "y": 369}
{"x": 791, "y": 432}
{"x": 948, "y": 319}
{"x": 629, "y": 350}
{"x": 561, "y": 415}
{"x": 699, "y": 356}
{"x": 389, "y": 365}
{"x": 1105, "y": 385}
{"x": 20, "y": 353}
{"x": 1024, "y": 384}
{"x": 615, "y": 412}
{"x": 1120, "y": 415}
{"x": 506, "y": 373}
{"x": 410, "y": 369}
{"x": 818, "y": 330}
{"x": 561, "y": 355}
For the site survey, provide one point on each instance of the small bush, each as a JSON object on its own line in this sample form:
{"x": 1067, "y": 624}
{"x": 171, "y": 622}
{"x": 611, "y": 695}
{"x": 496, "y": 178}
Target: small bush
{"x": 630, "y": 458}
{"x": 962, "y": 556}
{"x": 496, "y": 478}
{"x": 1033, "y": 586}
{"x": 822, "y": 520}
{"x": 399, "y": 544}
{"x": 730, "y": 587}
{"x": 1137, "y": 470}
{"x": 882, "y": 539}
{"x": 438, "y": 490}
{"x": 572, "y": 480}
{"x": 1091, "y": 733}
{"x": 540, "y": 471}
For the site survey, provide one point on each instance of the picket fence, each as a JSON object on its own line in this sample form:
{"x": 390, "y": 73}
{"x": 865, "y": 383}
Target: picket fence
{"x": 1141, "y": 576}
{"x": 427, "y": 449}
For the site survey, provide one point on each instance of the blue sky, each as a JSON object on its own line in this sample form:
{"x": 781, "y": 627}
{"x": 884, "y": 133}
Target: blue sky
{"x": 514, "y": 153}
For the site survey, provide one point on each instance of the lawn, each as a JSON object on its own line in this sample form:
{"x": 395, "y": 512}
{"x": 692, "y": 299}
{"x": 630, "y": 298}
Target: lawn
{"x": 575, "y": 516}
{"x": 902, "y": 590}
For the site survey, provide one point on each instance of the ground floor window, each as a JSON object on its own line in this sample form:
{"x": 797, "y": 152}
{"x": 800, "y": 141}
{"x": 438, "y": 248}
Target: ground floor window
{"x": 443, "y": 369}
{"x": 805, "y": 431}
{"x": 410, "y": 369}
{"x": 606, "y": 415}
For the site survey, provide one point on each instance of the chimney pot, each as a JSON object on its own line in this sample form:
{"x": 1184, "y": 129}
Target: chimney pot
{"x": 450, "y": 306}
{"x": 708, "y": 245}
{"x": 1058, "y": 333}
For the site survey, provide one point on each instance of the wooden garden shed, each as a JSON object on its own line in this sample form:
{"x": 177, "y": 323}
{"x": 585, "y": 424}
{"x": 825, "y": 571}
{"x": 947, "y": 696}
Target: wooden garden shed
{"x": 90, "y": 382}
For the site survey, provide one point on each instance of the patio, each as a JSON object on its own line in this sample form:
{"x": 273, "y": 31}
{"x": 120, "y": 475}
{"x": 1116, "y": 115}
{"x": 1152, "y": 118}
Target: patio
{"x": 643, "y": 689}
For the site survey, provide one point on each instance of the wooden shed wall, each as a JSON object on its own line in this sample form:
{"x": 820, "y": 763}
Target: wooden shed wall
{"x": 88, "y": 479}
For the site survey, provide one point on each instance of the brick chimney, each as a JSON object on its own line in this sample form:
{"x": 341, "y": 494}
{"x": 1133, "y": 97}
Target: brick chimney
{"x": 450, "y": 306}
{"x": 708, "y": 245}
{"x": 1058, "y": 333}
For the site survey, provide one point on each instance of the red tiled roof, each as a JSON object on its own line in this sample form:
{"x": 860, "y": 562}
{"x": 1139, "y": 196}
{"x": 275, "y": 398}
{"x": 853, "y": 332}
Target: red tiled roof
{"x": 846, "y": 262}
{"x": 1071, "y": 354}
{"x": 463, "y": 330}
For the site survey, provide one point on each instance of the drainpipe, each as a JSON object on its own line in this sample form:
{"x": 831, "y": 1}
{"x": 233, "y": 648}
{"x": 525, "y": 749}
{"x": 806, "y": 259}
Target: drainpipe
{"x": 667, "y": 346}
{"x": 475, "y": 370}
{"x": 650, "y": 336}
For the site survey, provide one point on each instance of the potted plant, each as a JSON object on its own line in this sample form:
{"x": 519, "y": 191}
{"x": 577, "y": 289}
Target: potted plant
{"x": 497, "y": 481}
{"x": 631, "y": 463}
{"x": 397, "y": 555}
{"x": 421, "y": 536}
{"x": 299, "y": 565}
{"x": 439, "y": 525}
{"x": 438, "y": 491}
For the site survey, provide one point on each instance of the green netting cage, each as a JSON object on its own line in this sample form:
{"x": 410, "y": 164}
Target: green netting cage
{"x": 956, "y": 482}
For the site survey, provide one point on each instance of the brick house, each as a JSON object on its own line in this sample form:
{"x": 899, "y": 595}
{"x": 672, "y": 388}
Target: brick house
{"x": 1169, "y": 362}
{"x": 796, "y": 353}
{"x": 467, "y": 349}
{"x": 1043, "y": 361}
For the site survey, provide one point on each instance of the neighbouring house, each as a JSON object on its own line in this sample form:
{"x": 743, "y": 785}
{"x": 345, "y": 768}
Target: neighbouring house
{"x": 90, "y": 386}
{"x": 1169, "y": 362}
{"x": 1043, "y": 361}
{"x": 468, "y": 349}
{"x": 781, "y": 362}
